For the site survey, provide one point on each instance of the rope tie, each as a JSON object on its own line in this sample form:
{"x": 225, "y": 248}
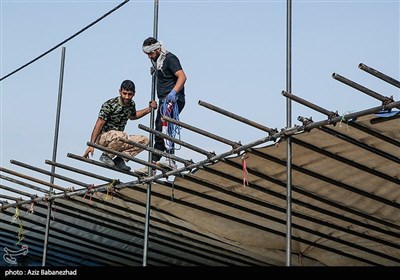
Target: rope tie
{"x": 245, "y": 172}
{"x": 90, "y": 193}
{"x": 343, "y": 119}
{"x": 16, "y": 215}
{"x": 16, "y": 218}
{"x": 30, "y": 210}
{"x": 110, "y": 190}
{"x": 20, "y": 233}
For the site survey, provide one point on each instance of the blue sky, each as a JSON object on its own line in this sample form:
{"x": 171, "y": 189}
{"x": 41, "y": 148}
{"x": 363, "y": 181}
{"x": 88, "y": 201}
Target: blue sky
{"x": 233, "y": 52}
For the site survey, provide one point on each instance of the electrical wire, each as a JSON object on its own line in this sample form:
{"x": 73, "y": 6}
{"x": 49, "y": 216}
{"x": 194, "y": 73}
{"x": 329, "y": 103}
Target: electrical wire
{"x": 66, "y": 40}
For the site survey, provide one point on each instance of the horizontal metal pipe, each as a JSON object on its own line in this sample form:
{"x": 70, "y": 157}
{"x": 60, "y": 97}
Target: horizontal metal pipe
{"x": 204, "y": 162}
{"x": 32, "y": 179}
{"x": 79, "y": 171}
{"x": 155, "y": 151}
{"x": 9, "y": 197}
{"x": 203, "y": 132}
{"x": 186, "y": 168}
{"x": 308, "y": 104}
{"x": 16, "y": 191}
{"x": 354, "y": 115}
{"x": 88, "y": 160}
{"x": 21, "y": 183}
{"x": 361, "y": 88}
{"x": 379, "y": 75}
{"x": 236, "y": 117}
{"x": 180, "y": 142}
{"x": 97, "y": 163}
{"x": 111, "y": 151}
{"x": 64, "y": 178}
{"x": 71, "y": 193}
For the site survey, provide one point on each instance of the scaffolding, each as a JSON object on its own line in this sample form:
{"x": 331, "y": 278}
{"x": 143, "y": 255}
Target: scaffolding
{"x": 235, "y": 178}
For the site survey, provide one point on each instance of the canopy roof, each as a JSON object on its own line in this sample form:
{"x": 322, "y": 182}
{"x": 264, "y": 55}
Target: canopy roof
{"x": 344, "y": 201}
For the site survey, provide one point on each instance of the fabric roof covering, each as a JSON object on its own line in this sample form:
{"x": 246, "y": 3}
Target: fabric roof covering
{"x": 345, "y": 209}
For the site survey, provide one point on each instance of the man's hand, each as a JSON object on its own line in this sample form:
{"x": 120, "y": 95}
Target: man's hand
{"x": 153, "y": 104}
{"x": 171, "y": 97}
{"x": 89, "y": 150}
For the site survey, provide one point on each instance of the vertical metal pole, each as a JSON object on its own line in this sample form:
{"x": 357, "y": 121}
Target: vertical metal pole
{"x": 54, "y": 157}
{"x": 289, "y": 139}
{"x": 153, "y": 96}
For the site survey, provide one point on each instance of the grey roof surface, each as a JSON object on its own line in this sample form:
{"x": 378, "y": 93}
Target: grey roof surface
{"x": 345, "y": 209}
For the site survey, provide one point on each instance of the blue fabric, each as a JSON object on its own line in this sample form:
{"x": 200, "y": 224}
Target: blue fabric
{"x": 386, "y": 114}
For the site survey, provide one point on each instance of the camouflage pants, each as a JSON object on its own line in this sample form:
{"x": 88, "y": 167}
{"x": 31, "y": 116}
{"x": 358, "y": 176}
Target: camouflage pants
{"x": 110, "y": 140}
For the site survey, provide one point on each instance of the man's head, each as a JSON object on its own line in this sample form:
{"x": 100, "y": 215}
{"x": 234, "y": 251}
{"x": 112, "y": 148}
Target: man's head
{"x": 127, "y": 91}
{"x": 152, "y": 48}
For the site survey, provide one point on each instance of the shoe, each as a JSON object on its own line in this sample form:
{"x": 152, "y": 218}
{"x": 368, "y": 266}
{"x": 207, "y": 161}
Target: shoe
{"x": 104, "y": 158}
{"x": 169, "y": 164}
{"x": 145, "y": 171}
{"x": 120, "y": 163}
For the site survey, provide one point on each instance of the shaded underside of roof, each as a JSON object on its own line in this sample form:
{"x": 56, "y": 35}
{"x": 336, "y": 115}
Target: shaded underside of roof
{"x": 345, "y": 201}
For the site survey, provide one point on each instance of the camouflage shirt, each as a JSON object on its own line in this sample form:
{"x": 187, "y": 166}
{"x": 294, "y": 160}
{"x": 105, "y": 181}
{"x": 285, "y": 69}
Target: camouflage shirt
{"x": 116, "y": 114}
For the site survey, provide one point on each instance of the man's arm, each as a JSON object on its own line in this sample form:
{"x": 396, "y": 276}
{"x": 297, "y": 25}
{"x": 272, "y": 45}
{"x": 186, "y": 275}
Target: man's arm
{"x": 95, "y": 133}
{"x": 181, "y": 80}
{"x": 145, "y": 111}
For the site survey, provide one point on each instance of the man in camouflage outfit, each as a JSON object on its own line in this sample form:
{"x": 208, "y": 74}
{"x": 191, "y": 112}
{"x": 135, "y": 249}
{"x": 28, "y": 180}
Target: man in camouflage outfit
{"x": 110, "y": 125}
